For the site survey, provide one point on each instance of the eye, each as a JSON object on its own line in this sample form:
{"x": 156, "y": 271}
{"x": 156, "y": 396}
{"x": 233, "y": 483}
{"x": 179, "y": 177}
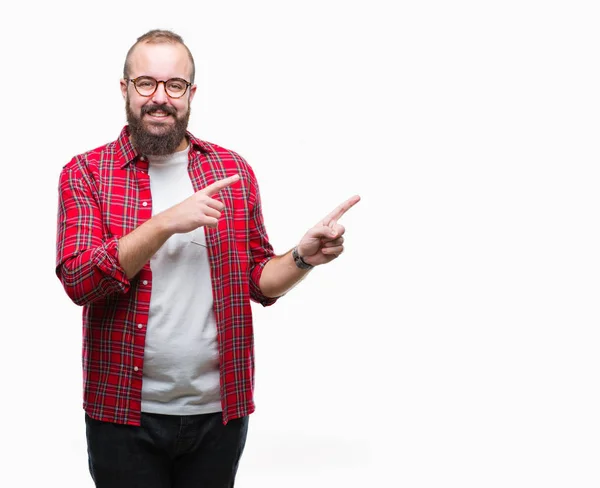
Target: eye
{"x": 176, "y": 85}
{"x": 145, "y": 83}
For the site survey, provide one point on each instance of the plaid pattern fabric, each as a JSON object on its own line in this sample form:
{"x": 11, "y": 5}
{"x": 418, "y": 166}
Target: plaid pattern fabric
{"x": 103, "y": 195}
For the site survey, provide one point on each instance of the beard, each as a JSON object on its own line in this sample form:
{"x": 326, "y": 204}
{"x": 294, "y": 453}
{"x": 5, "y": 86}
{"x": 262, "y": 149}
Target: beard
{"x": 159, "y": 142}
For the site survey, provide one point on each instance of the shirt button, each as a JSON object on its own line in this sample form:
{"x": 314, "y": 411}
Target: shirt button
{"x": 140, "y": 326}
{"x": 145, "y": 282}
{"x": 144, "y": 204}
{"x": 135, "y": 368}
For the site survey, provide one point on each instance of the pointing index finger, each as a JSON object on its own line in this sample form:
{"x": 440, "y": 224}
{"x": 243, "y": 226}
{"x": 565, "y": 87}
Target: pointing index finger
{"x": 217, "y": 186}
{"x": 337, "y": 214}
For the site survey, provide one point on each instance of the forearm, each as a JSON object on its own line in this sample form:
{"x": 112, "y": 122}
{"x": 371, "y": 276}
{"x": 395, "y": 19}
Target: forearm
{"x": 137, "y": 247}
{"x": 280, "y": 275}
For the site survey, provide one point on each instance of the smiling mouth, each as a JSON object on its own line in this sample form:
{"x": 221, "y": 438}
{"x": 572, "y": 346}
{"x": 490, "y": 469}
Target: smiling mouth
{"x": 158, "y": 114}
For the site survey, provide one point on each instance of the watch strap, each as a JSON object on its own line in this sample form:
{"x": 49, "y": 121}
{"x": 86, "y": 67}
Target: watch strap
{"x": 299, "y": 261}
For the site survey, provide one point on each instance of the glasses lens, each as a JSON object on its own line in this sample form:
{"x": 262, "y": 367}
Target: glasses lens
{"x": 176, "y": 87}
{"x": 145, "y": 85}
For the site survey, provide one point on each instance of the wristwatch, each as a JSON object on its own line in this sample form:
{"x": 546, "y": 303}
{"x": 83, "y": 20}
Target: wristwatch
{"x": 299, "y": 261}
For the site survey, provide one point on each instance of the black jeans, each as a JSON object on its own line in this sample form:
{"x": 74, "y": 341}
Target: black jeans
{"x": 166, "y": 451}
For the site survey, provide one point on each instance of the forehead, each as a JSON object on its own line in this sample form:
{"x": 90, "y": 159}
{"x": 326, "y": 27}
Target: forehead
{"x": 161, "y": 61}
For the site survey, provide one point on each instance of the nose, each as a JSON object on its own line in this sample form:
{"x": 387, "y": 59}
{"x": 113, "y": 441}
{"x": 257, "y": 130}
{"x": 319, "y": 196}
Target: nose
{"x": 160, "y": 95}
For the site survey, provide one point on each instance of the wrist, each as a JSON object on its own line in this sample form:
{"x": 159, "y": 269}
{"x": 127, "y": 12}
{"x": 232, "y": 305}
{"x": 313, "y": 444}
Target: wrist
{"x": 162, "y": 225}
{"x": 299, "y": 261}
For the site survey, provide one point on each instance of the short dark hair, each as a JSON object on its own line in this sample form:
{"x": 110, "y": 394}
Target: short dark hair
{"x": 159, "y": 36}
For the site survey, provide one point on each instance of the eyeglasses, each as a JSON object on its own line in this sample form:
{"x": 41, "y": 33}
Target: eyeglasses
{"x": 146, "y": 86}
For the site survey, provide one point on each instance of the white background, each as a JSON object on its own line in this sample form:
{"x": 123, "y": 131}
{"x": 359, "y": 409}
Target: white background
{"x": 455, "y": 343}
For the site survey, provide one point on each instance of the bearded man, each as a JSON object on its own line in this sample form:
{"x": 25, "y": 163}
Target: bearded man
{"x": 161, "y": 240}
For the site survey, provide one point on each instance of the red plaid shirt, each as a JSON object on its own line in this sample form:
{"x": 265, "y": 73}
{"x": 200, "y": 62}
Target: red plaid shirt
{"x": 103, "y": 195}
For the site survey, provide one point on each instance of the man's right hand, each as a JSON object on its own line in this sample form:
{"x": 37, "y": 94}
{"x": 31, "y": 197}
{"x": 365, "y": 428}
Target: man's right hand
{"x": 198, "y": 210}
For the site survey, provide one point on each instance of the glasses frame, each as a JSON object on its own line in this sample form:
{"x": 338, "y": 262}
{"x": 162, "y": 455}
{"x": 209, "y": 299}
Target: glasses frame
{"x": 158, "y": 82}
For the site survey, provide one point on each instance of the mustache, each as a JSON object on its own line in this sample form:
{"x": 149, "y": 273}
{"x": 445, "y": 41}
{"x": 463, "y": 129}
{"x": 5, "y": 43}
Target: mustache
{"x": 158, "y": 108}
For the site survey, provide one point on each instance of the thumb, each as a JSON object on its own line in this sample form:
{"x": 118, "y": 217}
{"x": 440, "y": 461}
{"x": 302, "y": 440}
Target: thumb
{"x": 322, "y": 231}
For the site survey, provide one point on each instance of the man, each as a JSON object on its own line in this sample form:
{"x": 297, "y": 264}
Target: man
{"x": 161, "y": 239}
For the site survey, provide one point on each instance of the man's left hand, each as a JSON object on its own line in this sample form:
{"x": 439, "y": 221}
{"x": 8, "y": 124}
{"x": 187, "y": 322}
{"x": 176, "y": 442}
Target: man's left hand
{"x": 324, "y": 242}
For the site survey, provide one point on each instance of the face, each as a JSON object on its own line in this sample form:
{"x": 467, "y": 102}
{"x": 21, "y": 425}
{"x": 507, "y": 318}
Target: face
{"x": 158, "y": 123}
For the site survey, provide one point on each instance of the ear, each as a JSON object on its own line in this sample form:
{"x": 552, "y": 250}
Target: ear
{"x": 192, "y": 92}
{"x": 123, "y": 84}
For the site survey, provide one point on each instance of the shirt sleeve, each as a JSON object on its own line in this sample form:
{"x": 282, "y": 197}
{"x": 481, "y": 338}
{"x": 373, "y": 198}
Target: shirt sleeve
{"x": 86, "y": 261}
{"x": 260, "y": 248}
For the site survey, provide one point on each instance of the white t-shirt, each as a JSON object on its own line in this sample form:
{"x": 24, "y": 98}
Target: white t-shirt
{"x": 181, "y": 360}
